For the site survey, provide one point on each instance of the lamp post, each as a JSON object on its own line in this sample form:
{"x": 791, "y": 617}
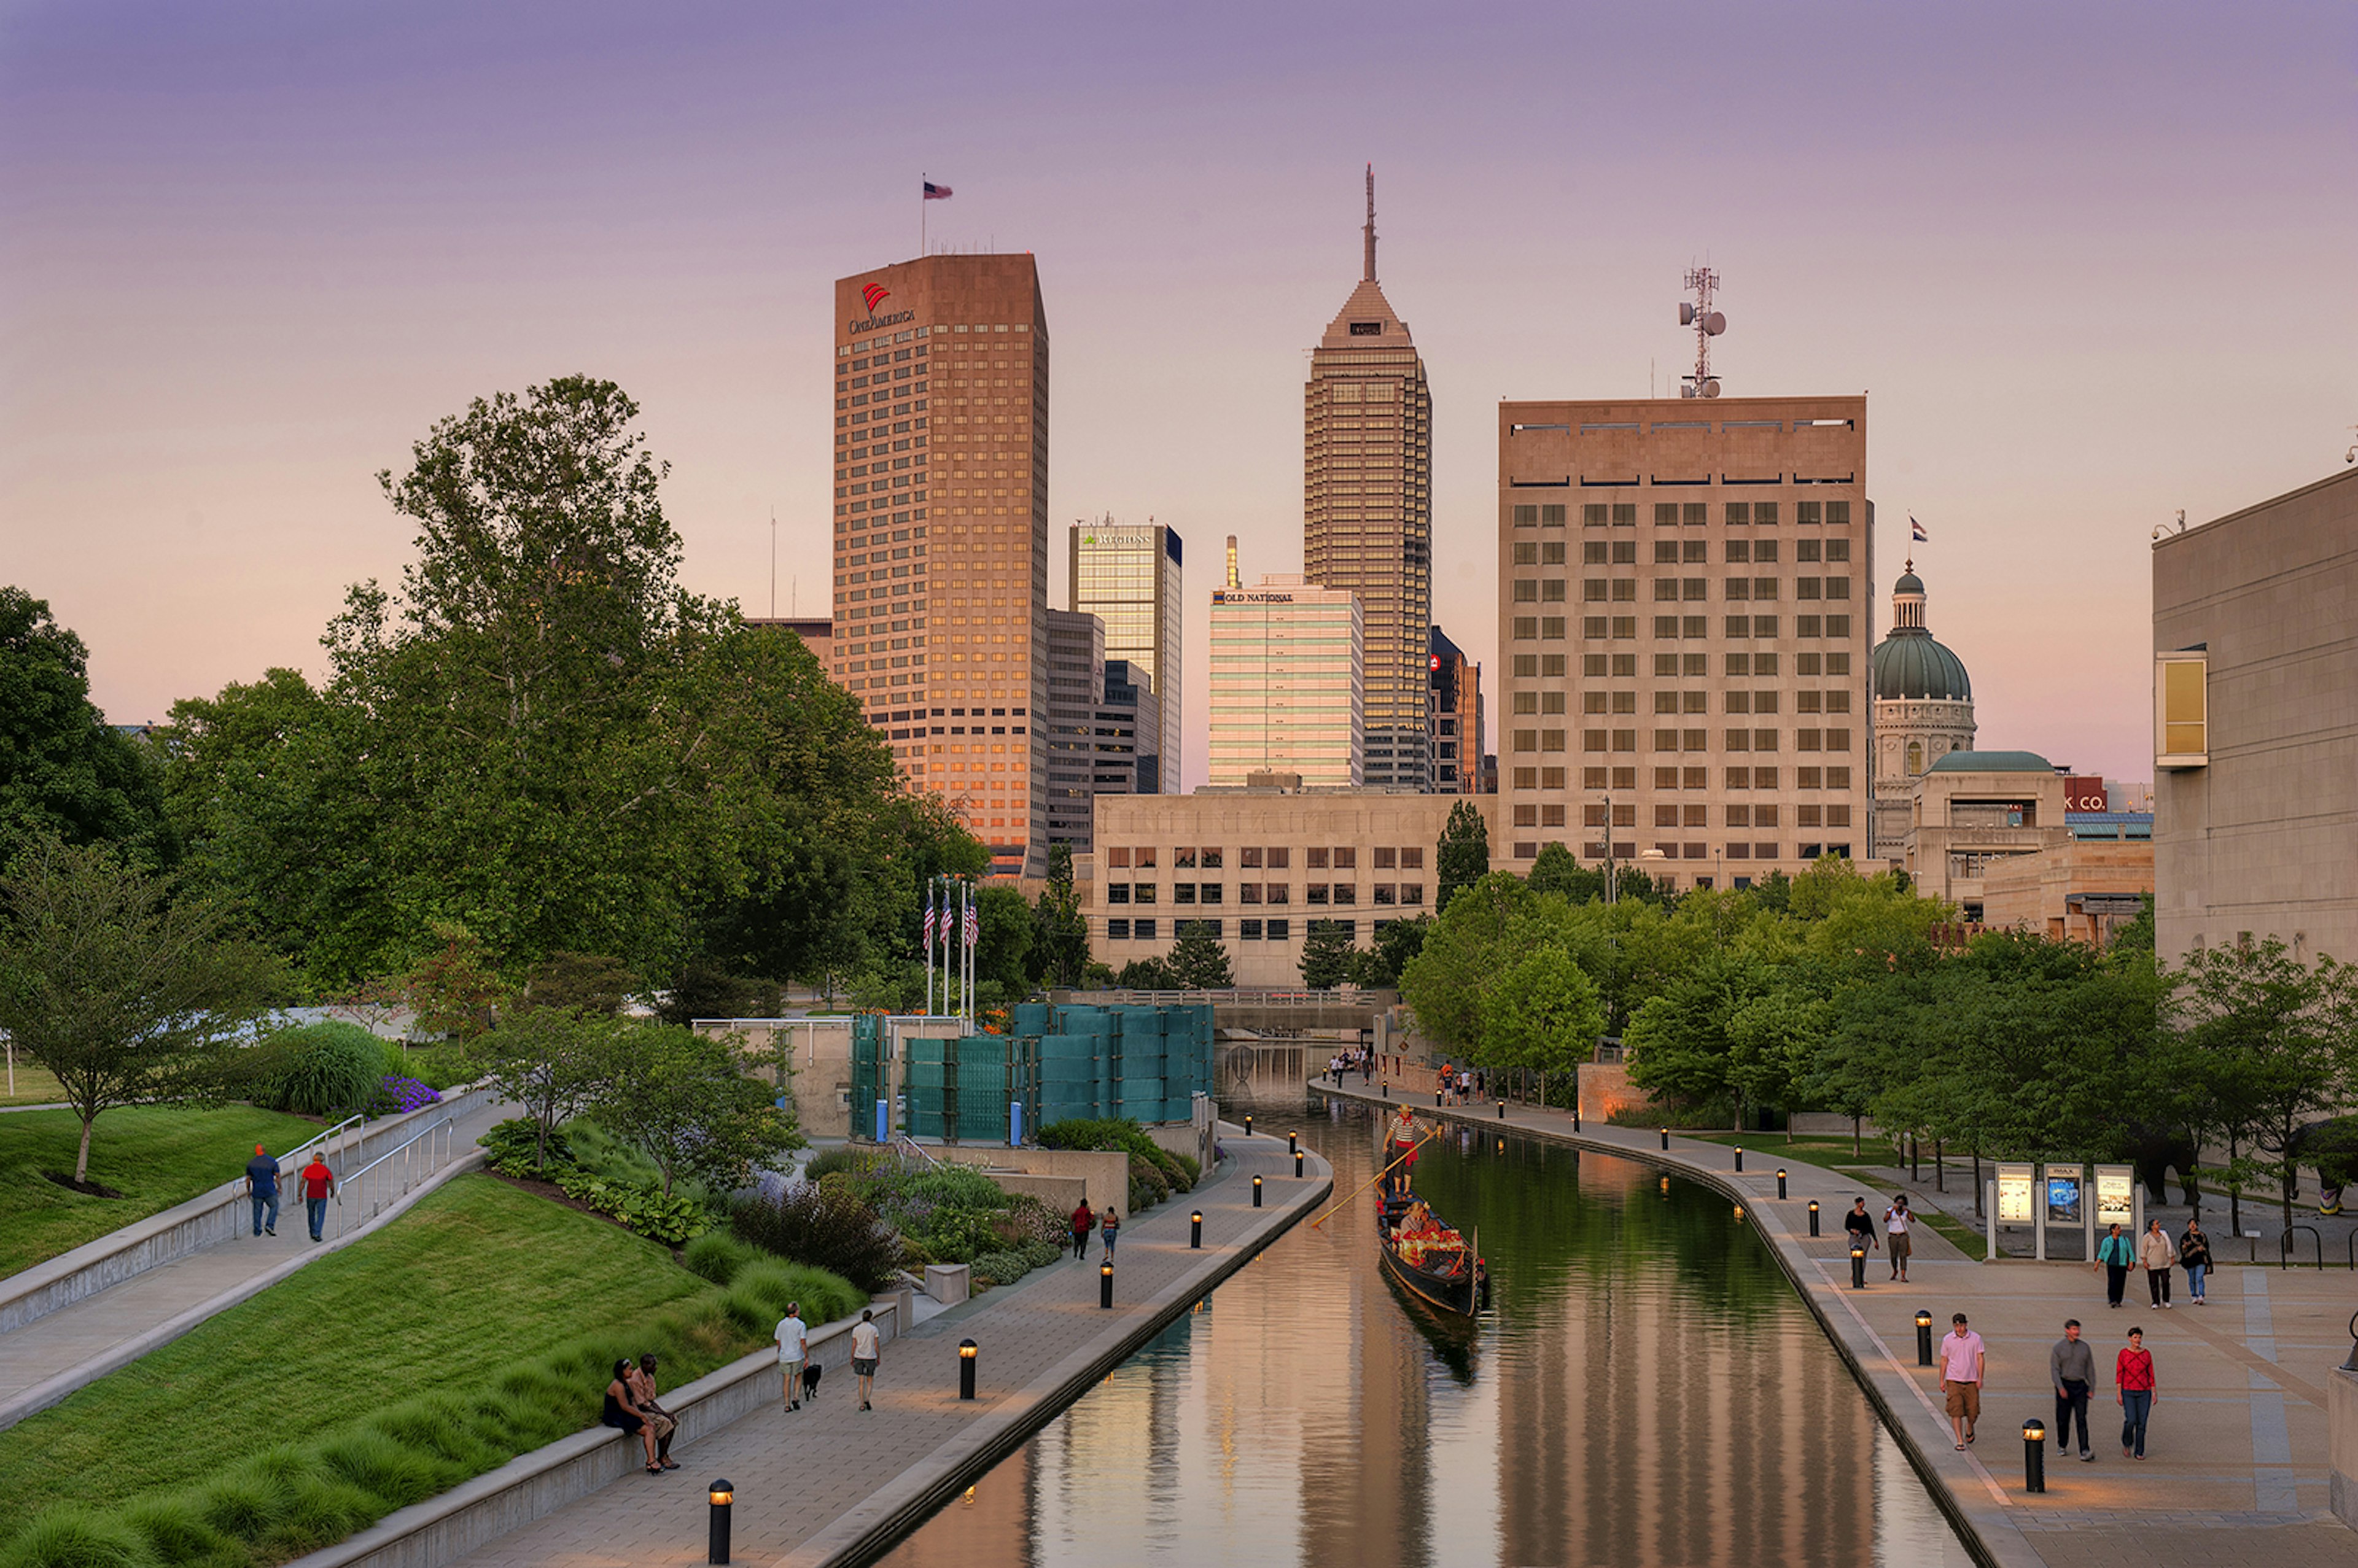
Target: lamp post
{"x": 1780, "y": 1183}
{"x": 1294, "y": 1143}
{"x": 1857, "y": 1266}
{"x": 1739, "y": 1158}
{"x": 721, "y": 1493}
{"x": 1247, "y": 1124}
{"x": 2034, "y": 1456}
{"x": 1195, "y": 1230}
{"x": 1298, "y": 1158}
{"x": 1105, "y": 1286}
{"x": 967, "y": 1352}
{"x": 1256, "y": 1192}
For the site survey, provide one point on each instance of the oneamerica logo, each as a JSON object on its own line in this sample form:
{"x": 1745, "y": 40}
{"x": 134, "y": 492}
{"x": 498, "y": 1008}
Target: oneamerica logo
{"x": 874, "y": 322}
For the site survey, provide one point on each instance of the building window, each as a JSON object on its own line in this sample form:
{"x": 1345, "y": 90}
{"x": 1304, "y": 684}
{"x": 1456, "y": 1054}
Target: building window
{"x": 1347, "y": 892}
{"x": 1143, "y": 930}
{"x": 1313, "y": 892}
{"x": 1196, "y": 929}
{"x": 1278, "y": 930}
{"x": 1117, "y": 930}
{"x": 1278, "y": 893}
{"x": 2181, "y": 714}
{"x": 1183, "y": 859}
{"x": 1117, "y": 892}
{"x": 1411, "y": 893}
{"x": 1385, "y": 893}
{"x": 1208, "y": 892}
{"x": 1118, "y": 858}
{"x": 1248, "y": 930}
{"x": 1142, "y": 892}
{"x": 1280, "y": 858}
{"x": 1248, "y": 858}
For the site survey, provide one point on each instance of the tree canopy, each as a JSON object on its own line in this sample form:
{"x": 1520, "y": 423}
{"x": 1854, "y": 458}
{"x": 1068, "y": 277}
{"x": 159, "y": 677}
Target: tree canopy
{"x": 64, "y": 771}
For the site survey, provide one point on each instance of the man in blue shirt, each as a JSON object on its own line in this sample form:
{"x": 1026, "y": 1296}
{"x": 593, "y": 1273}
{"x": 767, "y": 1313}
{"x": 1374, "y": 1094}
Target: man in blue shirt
{"x": 262, "y": 1185}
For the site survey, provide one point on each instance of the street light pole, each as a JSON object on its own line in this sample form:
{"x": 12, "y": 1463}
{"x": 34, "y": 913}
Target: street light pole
{"x": 1608, "y": 849}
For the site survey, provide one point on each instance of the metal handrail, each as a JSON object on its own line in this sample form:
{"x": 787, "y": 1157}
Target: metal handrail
{"x": 2284, "y": 1246}
{"x": 409, "y": 1173}
{"x": 2350, "y": 1249}
{"x": 901, "y": 1139}
{"x": 321, "y": 1138}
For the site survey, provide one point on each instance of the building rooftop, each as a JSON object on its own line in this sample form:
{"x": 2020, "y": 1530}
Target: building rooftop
{"x": 1992, "y": 763}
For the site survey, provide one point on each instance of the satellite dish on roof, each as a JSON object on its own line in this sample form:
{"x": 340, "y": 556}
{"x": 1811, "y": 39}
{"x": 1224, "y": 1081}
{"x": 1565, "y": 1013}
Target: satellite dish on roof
{"x": 1711, "y": 387}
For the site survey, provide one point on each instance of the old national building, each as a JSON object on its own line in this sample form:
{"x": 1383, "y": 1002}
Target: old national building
{"x": 1923, "y": 711}
{"x": 941, "y": 534}
{"x": 1368, "y": 510}
{"x": 2255, "y": 725}
{"x": 1682, "y": 632}
{"x": 1286, "y": 682}
{"x": 1131, "y": 578}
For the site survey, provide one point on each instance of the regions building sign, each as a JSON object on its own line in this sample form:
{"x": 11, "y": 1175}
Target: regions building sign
{"x": 2082, "y": 794}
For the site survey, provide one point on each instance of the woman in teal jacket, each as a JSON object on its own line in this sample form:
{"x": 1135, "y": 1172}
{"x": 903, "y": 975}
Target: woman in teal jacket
{"x": 2114, "y": 1255}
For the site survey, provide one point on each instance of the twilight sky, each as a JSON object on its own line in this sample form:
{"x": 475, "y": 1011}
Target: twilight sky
{"x": 2092, "y": 264}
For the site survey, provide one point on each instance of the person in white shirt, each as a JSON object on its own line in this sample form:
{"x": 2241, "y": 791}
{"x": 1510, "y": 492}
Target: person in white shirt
{"x": 1896, "y": 1223}
{"x": 793, "y": 1342}
{"x": 865, "y": 1343}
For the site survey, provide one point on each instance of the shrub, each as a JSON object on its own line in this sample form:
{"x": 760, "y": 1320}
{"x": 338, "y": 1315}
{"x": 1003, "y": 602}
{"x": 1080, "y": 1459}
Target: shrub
{"x": 71, "y": 1537}
{"x": 641, "y": 1205}
{"x": 823, "y": 1225}
{"x": 847, "y": 1159}
{"x": 329, "y": 1068}
{"x": 1039, "y": 1254}
{"x": 717, "y": 1255}
{"x": 1000, "y": 1268}
{"x": 397, "y": 1095}
{"x": 763, "y": 1287}
{"x": 1110, "y": 1133}
{"x": 1146, "y": 1186}
{"x": 957, "y": 1235}
{"x": 510, "y": 1146}
{"x": 1027, "y": 1220}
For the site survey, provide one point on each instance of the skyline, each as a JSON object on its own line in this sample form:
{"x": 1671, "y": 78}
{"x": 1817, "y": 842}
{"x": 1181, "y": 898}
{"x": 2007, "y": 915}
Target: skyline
{"x": 250, "y": 255}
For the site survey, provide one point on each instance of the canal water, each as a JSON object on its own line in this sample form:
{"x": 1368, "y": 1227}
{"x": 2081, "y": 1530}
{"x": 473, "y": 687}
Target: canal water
{"x": 1647, "y": 1390}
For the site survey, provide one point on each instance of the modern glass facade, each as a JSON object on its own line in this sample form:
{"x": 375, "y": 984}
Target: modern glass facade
{"x": 1129, "y": 577}
{"x": 1288, "y": 683}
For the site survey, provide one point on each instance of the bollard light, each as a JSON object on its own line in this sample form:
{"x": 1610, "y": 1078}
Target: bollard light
{"x": 1739, "y": 1214}
{"x": 1923, "y": 1339}
{"x": 967, "y": 1352}
{"x": 1739, "y": 1157}
{"x": 2034, "y": 1456}
{"x": 1502, "y": 1145}
{"x": 1298, "y": 1158}
{"x": 1502, "y": 1111}
{"x": 1814, "y": 1217}
{"x": 722, "y": 1494}
{"x": 1666, "y": 1140}
{"x": 1256, "y": 1192}
{"x": 1780, "y": 1183}
{"x": 1248, "y": 1125}
{"x": 1105, "y": 1284}
{"x": 1857, "y": 1267}
{"x": 1294, "y": 1143}
{"x": 1195, "y": 1229}
{"x": 1388, "y": 1089}
{"x": 1575, "y": 1113}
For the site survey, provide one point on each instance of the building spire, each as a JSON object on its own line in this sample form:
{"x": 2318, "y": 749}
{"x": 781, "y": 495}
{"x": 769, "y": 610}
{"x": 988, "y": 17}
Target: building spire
{"x": 1370, "y": 274}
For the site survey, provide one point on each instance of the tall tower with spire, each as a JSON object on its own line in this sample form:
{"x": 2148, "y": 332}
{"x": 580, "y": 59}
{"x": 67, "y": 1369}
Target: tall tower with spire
{"x": 1368, "y": 510}
{"x": 1923, "y": 710}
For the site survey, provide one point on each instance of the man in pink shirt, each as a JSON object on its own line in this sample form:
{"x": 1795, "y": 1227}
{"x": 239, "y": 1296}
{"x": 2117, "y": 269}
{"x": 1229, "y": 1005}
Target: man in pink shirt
{"x": 1961, "y": 1355}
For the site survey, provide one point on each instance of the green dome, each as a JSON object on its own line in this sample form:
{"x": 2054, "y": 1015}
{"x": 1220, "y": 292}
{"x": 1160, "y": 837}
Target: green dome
{"x": 1908, "y": 583}
{"x": 1992, "y": 762}
{"x": 1909, "y": 665}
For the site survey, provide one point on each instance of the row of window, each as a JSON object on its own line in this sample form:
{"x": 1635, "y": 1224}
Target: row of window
{"x": 1673, "y": 552}
{"x": 1683, "y": 816}
{"x": 1682, "y": 739}
{"x": 1683, "y": 701}
{"x": 1247, "y": 930}
{"x": 1683, "y": 778}
{"x": 1624, "y": 628}
{"x": 1671, "y": 590}
{"x": 1410, "y": 894}
{"x": 1278, "y": 858}
{"x": 1623, "y": 666}
{"x": 1687, "y": 514}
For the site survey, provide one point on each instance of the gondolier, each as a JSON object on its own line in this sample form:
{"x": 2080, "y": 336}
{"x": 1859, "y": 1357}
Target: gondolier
{"x": 1401, "y": 1155}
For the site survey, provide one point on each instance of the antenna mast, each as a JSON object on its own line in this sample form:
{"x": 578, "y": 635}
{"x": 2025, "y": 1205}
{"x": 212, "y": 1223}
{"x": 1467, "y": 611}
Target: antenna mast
{"x": 1368, "y": 275}
{"x": 1708, "y": 324}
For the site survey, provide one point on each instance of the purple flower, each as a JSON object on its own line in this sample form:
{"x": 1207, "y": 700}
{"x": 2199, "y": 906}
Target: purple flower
{"x": 409, "y": 1094}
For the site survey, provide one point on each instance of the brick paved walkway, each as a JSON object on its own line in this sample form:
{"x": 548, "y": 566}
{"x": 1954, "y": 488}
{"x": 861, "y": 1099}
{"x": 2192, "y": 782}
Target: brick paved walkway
{"x": 2236, "y": 1471}
{"x": 814, "y": 1482}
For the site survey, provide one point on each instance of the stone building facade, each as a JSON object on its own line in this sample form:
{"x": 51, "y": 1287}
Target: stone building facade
{"x": 1923, "y": 711}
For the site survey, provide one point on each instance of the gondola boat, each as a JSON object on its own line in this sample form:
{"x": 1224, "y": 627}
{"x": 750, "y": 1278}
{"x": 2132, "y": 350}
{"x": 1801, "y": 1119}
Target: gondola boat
{"x": 1428, "y": 1258}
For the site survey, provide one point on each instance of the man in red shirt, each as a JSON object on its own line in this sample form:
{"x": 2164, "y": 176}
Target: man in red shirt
{"x": 318, "y": 1186}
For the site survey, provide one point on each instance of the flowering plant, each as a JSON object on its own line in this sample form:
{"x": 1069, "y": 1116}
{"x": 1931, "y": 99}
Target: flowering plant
{"x": 407, "y": 1095}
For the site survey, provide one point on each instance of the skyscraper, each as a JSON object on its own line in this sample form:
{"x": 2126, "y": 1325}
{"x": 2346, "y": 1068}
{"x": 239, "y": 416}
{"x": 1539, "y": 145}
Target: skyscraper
{"x": 1076, "y": 672}
{"x": 1683, "y": 626}
{"x": 1368, "y": 510}
{"x": 1456, "y": 740}
{"x": 941, "y": 462}
{"x": 1287, "y": 683}
{"x": 1129, "y": 577}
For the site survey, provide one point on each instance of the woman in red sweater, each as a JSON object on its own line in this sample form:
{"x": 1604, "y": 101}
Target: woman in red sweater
{"x": 2132, "y": 1378}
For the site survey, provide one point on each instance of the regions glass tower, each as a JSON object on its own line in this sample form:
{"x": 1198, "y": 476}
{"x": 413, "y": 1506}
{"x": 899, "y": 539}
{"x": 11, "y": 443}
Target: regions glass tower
{"x": 1368, "y": 512}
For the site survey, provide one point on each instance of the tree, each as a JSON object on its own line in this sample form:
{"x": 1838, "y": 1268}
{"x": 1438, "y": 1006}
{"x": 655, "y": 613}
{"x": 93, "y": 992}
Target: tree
{"x": 1326, "y": 956}
{"x": 1147, "y": 975}
{"x": 1060, "y": 932}
{"x": 1678, "y": 1042}
{"x": 550, "y": 1060}
{"x": 1546, "y": 1015}
{"x": 1449, "y": 982}
{"x": 63, "y": 769}
{"x": 1556, "y": 871}
{"x": 454, "y": 989}
{"x": 1199, "y": 961}
{"x": 1396, "y": 945}
{"x": 122, "y": 992}
{"x": 684, "y": 1100}
{"x": 1003, "y": 941}
{"x": 579, "y": 982}
{"x": 1463, "y": 856}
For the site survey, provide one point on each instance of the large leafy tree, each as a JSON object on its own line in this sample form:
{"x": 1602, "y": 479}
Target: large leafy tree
{"x": 63, "y": 769}
{"x": 553, "y": 1060}
{"x": 1463, "y": 856}
{"x": 123, "y": 992}
{"x": 688, "y": 1102}
{"x": 1544, "y": 1017}
{"x": 1060, "y": 932}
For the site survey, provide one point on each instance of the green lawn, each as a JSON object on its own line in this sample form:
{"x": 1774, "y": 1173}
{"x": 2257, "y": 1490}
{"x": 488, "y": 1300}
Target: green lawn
{"x": 34, "y": 1086}
{"x": 155, "y": 1156}
{"x": 1768, "y": 1150}
{"x": 460, "y": 1299}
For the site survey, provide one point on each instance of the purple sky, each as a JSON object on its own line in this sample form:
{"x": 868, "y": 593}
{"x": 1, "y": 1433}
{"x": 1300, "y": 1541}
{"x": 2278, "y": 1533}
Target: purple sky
{"x": 2092, "y": 264}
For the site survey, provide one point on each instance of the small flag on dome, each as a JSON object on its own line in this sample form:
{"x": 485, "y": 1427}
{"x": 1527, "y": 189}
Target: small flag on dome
{"x": 937, "y": 192}
{"x": 1916, "y": 529}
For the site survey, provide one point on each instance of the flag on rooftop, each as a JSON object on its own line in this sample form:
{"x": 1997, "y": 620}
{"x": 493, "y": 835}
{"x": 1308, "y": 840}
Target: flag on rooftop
{"x": 1916, "y": 529}
{"x": 937, "y": 192}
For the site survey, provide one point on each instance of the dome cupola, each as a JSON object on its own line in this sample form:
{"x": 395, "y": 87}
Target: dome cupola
{"x": 1909, "y": 665}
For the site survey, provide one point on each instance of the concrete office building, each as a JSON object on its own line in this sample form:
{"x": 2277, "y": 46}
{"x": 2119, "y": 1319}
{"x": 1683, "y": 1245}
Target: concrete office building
{"x": 1128, "y": 733}
{"x": 817, "y": 632}
{"x": 1258, "y": 866}
{"x": 1681, "y": 596}
{"x": 1075, "y": 688}
{"x": 941, "y": 483}
{"x": 1973, "y": 812}
{"x": 1132, "y": 578}
{"x": 1287, "y": 693}
{"x": 2255, "y": 725}
{"x": 1923, "y": 711}
{"x": 1368, "y": 510}
{"x": 1457, "y": 718}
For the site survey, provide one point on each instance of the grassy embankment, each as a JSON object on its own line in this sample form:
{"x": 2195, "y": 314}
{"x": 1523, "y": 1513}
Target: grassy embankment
{"x": 155, "y": 1156}
{"x": 35, "y": 1085}
{"x": 481, "y": 1324}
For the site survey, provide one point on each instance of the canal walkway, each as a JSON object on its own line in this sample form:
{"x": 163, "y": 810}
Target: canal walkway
{"x": 2235, "y": 1473}
{"x": 831, "y": 1483}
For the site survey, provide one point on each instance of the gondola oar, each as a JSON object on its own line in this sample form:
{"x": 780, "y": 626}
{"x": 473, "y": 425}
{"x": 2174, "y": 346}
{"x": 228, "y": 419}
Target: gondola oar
{"x": 1379, "y": 1177}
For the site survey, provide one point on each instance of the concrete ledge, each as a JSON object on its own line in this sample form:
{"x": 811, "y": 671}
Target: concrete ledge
{"x": 533, "y": 1486}
{"x": 212, "y": 1216}
{"x": 50, "y": 1390}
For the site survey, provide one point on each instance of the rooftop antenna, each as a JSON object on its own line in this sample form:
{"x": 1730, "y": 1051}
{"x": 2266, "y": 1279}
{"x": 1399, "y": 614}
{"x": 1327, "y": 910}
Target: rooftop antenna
{"x": 774, "y": 563}
{"x": 1368, "y": 275}
{"x": 1708, "y": 324}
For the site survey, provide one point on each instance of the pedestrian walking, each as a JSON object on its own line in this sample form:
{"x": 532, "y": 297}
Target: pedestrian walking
{"x": 622, "y": 1413}
{"x": 2071, "y": 1368}
{"x": 866, "y": 1346}
{"x": 2114, "y": 1253}
{"x": 318, "y": 1186}
{"x": 1896, "y": 1223}
{"x": 2194, "y": 1256}
{"x": 261, "y": 1186}
{"x": 1860, "y": 1226}
{"x": 2156, "y": 1255}
{"x": 1961, "y": 1358}
{"x": 1108, "y": 1230}
{"x": 1083, "y": 1221}
{"x": 2134, "y": 1390}
{"x": 643, "y": 1394}
{"x": 792, "y": 1336}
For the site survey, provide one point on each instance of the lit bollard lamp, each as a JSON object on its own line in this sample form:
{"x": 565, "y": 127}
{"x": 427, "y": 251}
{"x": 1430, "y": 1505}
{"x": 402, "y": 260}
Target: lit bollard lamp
{"x": 1105, "y": 1286}
{"x": 1666, "y": 1140}
{"x": 1857, "y": 1266}
{"x": 1739, "y": 1158}
{"x": 1436, "y": 1097}
{"x": 1502, "y": 1111}
{"x": 1256, "y": 1192}
{"x": 1298, "y": 1158}
{"x": 1780, "y": 1183}
{"x": 968, "y": 1350}
{"x": 1294, "y": 1143}
{"x": 1923, "y": 1339}
{"x": 2034, "y": 1456}
{"x": 722, "y": 1494}
{"x": 1249, "y": 1125}
{"x": 1814, "y": 1217}
{"x": 1195, "y": 1231}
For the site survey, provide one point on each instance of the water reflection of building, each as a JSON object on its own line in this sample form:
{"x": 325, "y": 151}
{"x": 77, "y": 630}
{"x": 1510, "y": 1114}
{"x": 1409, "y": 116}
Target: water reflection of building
{"x": 988, "y": 1528}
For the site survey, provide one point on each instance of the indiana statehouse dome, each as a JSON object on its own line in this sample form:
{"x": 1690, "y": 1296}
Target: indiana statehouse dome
{"x": 1909, "y": 665}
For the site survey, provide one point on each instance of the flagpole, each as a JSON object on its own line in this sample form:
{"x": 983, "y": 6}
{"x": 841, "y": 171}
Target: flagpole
{"x": 921, "y": 212}
{"x": 928, "y": 929}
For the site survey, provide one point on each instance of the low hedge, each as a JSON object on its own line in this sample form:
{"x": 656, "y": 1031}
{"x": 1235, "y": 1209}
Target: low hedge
{"x": 1172, "y": 1172}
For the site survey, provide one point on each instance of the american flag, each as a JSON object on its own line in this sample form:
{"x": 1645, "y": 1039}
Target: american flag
{"x": 973, "y": 926}
{"x": 929, "y": 916}
{"x": 1916, "y": 530}
{"x": 937, "y": 192}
